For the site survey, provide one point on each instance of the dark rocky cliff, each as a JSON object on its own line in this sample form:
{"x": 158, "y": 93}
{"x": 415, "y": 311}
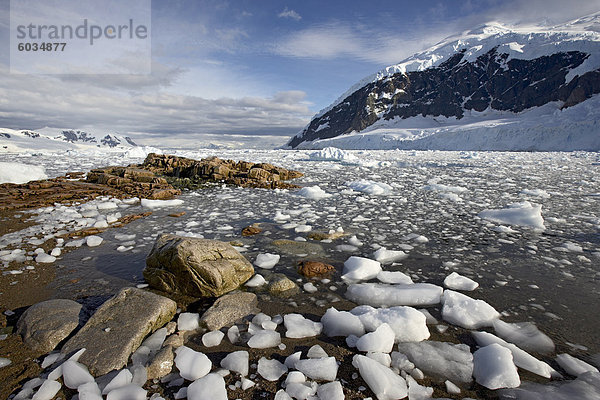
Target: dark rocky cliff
{"x": 457, "y": 85}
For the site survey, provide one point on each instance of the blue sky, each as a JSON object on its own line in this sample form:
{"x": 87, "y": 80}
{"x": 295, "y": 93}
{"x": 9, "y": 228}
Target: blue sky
{"x": 227, "y": 69}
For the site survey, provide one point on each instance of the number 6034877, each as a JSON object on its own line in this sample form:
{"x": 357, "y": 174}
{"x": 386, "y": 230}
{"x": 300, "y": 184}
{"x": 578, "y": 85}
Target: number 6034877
{"x": 45, "y": 46}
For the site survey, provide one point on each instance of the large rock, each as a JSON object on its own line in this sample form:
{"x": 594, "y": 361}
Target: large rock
{"x": 44, "y": 325}
{"x": 118, "y": 328}
{"x": 195, "y": 267}
{"x": 228, "y": 309}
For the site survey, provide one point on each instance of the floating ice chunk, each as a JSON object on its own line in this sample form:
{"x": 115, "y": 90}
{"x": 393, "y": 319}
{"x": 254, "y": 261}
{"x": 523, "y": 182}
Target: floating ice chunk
{"x": 313, "y": 193}
{"x": 370, "y": 187}
{"x": 161, "y": 203}
{"x": 493, "y": 367}
{"x": 209, "y": 387}
{"x": 458, "y": 282}
{"x": 47, "y": 391}
{"x": 93, "y": 241}
{"x": 271, "y": 370}
{"x": 379, "y": 341}
{"x": 266, "y": 260}
{"x": 331, "y": 391}
{"x": 535, "y": 192}
{"x": 382, "y": 381}
{"x": 522, "y": 214}
{"x": 45, "y": 258}
{"x": 256, "y": 281}
{"x": 107, "y": 205}
{"x": 386, "y": 256}
{"x": 574, "y": 366}
{"x": 332, "y": 154}
{"x": 503, "y": 229}
{"x": 394, "y": 277}
{"x": 408, "y": 324}
{"x": 237, "y": 362}
{"x": 191, "y": 364}
{"x": 444, "y": 188}
{"x": 463, "y": 311}
{"x": 12, "y": 172}
{"x": 302, "y": 228}
{"x": 299, "y": 327}
{"x": 360, "y": 268}
{"x": 75, "y": 374}
{"x": 322, "y": 369}
{"x": 123, "y": 378}
{"x": 585, "y": 387}
{"x": 439, "y": 359}
{"x": 264, "y": 340}
{"x": 384, "y": 295}
{"x": 525, "y": 335}
{"x": 521, "y": 358}
{"x": 188, "y": 321}
{"x": 341, "y": 323}
{"x": 212, "y": 339}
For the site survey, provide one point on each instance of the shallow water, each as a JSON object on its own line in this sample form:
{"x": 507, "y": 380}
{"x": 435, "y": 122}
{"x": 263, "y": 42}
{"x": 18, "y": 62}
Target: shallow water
{"x": 524, "y": 274}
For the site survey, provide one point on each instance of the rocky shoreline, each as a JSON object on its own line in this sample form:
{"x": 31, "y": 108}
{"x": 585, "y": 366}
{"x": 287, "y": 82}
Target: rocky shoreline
{"x": 244, "y": 331}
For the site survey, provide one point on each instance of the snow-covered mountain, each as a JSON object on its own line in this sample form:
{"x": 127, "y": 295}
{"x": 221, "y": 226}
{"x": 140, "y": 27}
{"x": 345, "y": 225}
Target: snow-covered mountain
{"x": 491, "y": 88}
{"x": 60, "y": 139}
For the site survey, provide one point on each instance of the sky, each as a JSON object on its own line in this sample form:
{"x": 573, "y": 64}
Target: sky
{"x": 245, "y": 71}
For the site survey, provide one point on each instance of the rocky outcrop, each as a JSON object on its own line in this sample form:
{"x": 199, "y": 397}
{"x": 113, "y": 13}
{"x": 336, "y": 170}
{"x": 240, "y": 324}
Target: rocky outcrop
{"x": 118, "y": 327}
{"x": 44, "y": 325}
{"x": 492, "y": 81}
{"x": 195, "y": 267}
{"x": 134, "y": 182}
{"x": 185, "y": 172}
{"x": 228, "y": 309}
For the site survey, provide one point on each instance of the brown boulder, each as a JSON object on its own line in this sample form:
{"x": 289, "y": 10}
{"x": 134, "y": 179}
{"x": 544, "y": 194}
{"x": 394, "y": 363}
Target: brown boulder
{"x": 312, "y": 269}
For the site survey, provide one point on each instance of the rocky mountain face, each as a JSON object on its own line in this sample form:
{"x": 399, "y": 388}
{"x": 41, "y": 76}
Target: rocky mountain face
{"x": 456, "y": 86}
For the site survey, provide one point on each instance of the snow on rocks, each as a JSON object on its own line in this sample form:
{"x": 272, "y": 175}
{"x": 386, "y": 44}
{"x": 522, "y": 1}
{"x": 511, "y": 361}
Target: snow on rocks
{"x": 521, "y": 358}
{"x": 266, "y": 260}
{"x": 299, "y": 327}
{"x": 313, "y": 193}
{"x": 384, "y": 295}
{"x": 360, "y": 268}
{"x": 385, "y": 256}
{"x": 574, "y": 366}
{"x": 456, "y": 281}
{"x": 192, "y": 364}
{"x": 271, "y": 370}
{"x": 522, "y": 214}
{"x": 493, "y": 367}
{"x": 466, "y": 312}
{"x": 341, "y": 323}
{"x": 407, "y": 323}
{"x": 323, "y": 369}
{"x": 440, "y": 360}
{"x": 383, "y": 382}
{"x": 370, "y": 187}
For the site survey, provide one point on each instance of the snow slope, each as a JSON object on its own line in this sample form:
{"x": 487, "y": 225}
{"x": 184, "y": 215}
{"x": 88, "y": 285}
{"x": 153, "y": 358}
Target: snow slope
{"x": 540, "y": 128}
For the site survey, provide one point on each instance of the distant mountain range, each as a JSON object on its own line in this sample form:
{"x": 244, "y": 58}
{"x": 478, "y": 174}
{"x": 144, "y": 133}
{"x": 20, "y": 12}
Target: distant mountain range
{"x": 59, "y": 139}
{"x": 490, "y": 88}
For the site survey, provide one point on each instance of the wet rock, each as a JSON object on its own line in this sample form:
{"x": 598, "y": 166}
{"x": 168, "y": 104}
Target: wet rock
{"x": 312, "y": 269}
{"x": 195, "y": 267}
{"x": 186, "y": 172}
{"x": 177, "y": 215}
{"x": 282, "y": 286}
{"x": 295, "y": 247}
{"x": 229, "y": 308}
{"x": 251, "y": 230}
{"x": 161, "y": 364}
{"x": 44, "y": 325}
{"x": 118, "y": 327}
{"x": 331, "y": 235}
{"x": 176, "y": 340}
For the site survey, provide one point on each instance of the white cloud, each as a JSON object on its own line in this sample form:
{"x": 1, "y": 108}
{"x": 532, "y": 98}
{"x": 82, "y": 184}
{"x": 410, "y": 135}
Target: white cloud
{"x": 287, "y": 13}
